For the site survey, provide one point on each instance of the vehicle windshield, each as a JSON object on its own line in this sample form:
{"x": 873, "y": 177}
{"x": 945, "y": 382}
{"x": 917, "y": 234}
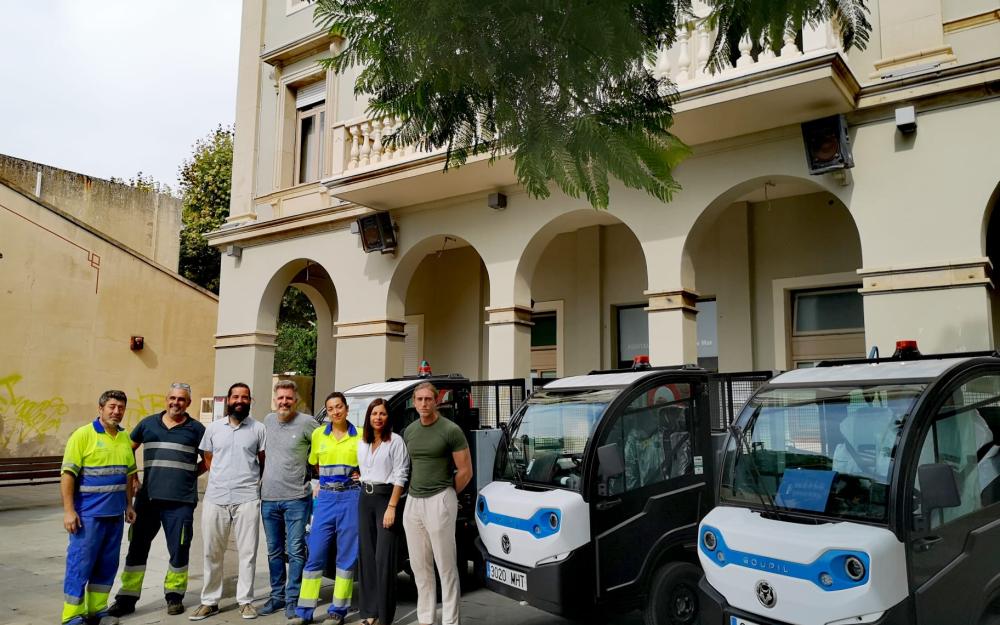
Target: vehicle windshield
{"x": 357, "y": 406}
{"x": 822, "y": 451}
{"x": 550, "y": 435}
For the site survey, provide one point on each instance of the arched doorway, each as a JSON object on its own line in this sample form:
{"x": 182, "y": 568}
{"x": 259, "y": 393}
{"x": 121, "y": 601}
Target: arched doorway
{"x": 774, "y": 262}
{"x": 300, "y": 306}
{"x": 585, "y": 275}
{"x": 440, "y": 289}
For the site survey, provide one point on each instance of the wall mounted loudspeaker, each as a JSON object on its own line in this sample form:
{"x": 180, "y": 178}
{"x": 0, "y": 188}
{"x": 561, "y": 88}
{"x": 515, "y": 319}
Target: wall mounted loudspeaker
{"x": 828, "y": 148}
{"x": 377, "y": 233}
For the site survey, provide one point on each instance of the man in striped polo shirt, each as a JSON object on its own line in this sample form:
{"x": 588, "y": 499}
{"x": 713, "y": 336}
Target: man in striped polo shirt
{"x": 169, "y": 494}
{"x": 98, "y": 479}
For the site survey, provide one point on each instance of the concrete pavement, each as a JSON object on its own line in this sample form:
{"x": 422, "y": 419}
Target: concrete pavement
{"x": 32, "y": 561}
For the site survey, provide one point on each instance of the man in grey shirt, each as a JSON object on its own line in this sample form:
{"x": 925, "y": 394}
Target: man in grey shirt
{"x": 233, "y": 449}
{"x": 286, "y": 496}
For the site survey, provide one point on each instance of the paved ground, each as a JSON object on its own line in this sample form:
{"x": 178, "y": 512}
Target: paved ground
{"x": 32, "y": 561}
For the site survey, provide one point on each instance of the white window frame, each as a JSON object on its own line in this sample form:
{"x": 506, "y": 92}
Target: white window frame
{"x": 318, "y": 113}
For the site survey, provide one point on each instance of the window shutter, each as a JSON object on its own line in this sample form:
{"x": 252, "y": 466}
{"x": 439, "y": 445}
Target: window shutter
{"x": 310, "y": 94}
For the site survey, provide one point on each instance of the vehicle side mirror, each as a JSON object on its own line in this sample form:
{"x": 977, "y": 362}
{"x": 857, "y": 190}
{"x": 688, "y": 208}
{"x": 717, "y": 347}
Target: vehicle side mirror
{"x": 611, "y": 462}
{"x": 938, "y": 487}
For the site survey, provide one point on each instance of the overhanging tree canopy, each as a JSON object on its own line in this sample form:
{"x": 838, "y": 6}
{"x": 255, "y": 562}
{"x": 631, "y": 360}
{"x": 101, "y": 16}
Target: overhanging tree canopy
{"x": 561, "y": 85}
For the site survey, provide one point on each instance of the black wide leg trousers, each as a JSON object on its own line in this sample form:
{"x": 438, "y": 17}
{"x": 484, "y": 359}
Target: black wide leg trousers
{"x": 377, "y": 563}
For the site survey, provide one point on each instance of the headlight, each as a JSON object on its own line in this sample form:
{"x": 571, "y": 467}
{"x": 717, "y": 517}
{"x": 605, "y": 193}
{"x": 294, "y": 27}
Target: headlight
{"x": 553, "y": 520}
{"x": 854, "y": 568}
{"x": 482, "y": 504}
{"x": 826, "y": 579}
{"x": 709, "y": 539}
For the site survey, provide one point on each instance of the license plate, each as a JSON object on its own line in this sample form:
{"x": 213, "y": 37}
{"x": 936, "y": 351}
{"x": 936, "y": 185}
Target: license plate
{"x": 509, "y": 577}
{"x": 740, "y": 621}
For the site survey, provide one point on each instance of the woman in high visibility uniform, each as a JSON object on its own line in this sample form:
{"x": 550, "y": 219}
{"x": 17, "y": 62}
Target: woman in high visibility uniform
{"x": 334, "y": 453}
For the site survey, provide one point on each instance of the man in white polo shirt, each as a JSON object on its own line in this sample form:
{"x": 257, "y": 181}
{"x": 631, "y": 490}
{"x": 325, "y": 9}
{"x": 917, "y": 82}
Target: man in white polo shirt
{"x": 233, "y": 449}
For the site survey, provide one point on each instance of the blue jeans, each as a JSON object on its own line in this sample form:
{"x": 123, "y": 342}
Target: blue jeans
{"x": 285, "y": 527}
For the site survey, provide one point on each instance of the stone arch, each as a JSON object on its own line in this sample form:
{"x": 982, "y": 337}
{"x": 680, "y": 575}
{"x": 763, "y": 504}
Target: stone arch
{"x": 750, "y": 250}
{"x": 316, "y": 283}
{"x": 576, "y": 276}
{"x": 440, "y": 290}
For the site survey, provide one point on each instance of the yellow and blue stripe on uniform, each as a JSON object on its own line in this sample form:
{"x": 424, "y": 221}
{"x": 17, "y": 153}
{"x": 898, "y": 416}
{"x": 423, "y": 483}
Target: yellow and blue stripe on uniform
{"x": 102, "y": 464}
{"x": 335, "y": 517}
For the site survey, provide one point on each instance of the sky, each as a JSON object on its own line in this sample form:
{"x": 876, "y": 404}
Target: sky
{"x": 114, "y": 87}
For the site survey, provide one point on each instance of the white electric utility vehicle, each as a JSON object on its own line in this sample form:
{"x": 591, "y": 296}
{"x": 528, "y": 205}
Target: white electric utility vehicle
{"x": 601, "y": 480}
{"x": 860, "y": 493}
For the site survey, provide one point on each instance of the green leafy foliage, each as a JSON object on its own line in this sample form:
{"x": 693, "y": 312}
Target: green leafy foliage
{"x": 143, "y": 183}
{"x": 205, "y": 181}
{"x": 296, "y": 342}
{"x": 562, "y": 86}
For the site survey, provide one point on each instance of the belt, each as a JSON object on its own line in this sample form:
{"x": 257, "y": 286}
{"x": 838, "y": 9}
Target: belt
{"x": 339, "y": 486}
{"x": 370, "y": 488}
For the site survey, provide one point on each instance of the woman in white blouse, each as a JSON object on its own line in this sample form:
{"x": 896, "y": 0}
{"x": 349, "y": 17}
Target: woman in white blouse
{"x": 385, "y": 466}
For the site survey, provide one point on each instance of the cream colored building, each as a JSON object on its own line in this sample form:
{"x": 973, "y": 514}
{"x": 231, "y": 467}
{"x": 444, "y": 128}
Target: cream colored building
{"x": 755, "y": 264}
{"x": 83, "y": 269}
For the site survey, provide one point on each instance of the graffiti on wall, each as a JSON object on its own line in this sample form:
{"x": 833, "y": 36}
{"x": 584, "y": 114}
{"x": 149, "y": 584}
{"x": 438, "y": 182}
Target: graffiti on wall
{"x": 141, "y": 405}
{"x": 26, "y": 423}
{"x": 30, "y": 425}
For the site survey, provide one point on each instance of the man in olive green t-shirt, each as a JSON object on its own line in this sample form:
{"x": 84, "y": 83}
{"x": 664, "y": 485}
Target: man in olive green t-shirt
{"x": 435, "y": 445}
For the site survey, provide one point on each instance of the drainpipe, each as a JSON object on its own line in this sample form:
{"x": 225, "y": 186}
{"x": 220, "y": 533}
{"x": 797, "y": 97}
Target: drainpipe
{"x": 38, "y": 184}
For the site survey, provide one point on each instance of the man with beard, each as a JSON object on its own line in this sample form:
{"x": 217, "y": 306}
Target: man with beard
{"x": 234, "y": 454}
{"x": 98, "y": 480}
{"x": 287, "y": 497}
{"x": 169, "y": 494}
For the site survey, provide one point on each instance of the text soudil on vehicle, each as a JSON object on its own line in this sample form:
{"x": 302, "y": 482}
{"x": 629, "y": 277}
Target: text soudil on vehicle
{"x": 860, "y": 493}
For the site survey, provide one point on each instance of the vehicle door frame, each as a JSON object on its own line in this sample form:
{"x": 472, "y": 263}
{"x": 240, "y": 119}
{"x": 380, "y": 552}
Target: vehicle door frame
{"x": 925, "y": 413}
{"x": 701, "y": 441}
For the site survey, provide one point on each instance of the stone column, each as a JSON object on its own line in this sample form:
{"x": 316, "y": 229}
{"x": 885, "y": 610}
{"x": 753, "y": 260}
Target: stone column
{"x": 673, "y": 329}
{"x": 249, "y": 358}
{"x": 368, "y": 351}
{"x": 945, "y": 307}
{"x": 509, "y": 330}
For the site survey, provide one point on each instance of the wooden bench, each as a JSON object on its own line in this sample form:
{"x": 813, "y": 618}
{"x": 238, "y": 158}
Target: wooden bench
{"x": 36, "y": 470}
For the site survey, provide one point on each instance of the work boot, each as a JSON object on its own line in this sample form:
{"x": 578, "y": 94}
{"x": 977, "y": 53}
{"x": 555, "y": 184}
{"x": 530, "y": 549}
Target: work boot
{"x": 121, "y": 608}
{"x": 175, "y": 607}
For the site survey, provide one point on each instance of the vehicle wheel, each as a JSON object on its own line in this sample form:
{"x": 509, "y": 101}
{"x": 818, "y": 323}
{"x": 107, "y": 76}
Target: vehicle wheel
{"x": 673, "y": 595}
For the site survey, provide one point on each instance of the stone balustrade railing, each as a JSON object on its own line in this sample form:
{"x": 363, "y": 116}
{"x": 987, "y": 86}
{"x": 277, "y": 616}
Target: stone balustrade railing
{"x": 686, "y": 62}
{"x": 359, "y": 144}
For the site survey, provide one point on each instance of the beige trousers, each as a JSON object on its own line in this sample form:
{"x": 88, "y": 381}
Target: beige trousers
{"x": 429, "y": 523}
{"x": 216, "y": 523}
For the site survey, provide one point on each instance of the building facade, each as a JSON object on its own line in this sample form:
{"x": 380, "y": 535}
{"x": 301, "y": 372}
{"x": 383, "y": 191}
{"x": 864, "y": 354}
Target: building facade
{"x": 755, "y": 263}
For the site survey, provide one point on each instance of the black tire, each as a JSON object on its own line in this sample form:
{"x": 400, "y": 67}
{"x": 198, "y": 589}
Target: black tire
{"x": 673, "y": 595}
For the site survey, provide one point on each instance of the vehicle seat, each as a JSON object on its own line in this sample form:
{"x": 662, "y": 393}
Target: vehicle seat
{"x": 543, "y": 467}
{"x": 863, "y": 450}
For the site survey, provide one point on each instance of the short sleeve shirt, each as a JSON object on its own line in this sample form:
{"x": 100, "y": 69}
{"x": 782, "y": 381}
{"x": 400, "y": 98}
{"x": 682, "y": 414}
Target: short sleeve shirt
{"x": 169, "y": 458}
{"x": 101, "y": 464}
{"x": 234, "y": 476}
{"x": 431, "y": 448}
{"x": 288, "y": 446}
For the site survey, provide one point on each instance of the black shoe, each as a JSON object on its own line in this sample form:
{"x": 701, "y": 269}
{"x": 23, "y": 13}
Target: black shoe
{"x": 174, "y": 608}
{"x": 121, "y": 608}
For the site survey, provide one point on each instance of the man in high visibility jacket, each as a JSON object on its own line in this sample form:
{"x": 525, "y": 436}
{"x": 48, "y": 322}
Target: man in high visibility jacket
{"x": 169, "y": 494}
{"x": 98, "y": 480}
{"x": 334, "y": 451}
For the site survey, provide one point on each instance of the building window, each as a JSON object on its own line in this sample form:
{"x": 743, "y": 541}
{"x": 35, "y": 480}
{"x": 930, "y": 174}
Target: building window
{"x": 294, "y": 6}
{"x": 827, "y": 324}
{"x": 544, "y": 345}
{"x": 708, "y": 334}
{"x": 829, "y": 310}
{"x": 310, "y": 124}
{"x": 633, "y": 334}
